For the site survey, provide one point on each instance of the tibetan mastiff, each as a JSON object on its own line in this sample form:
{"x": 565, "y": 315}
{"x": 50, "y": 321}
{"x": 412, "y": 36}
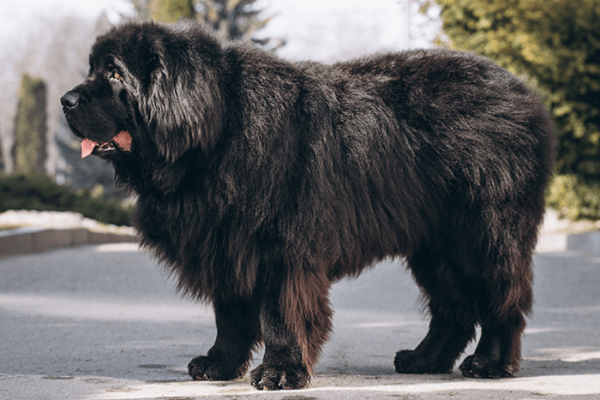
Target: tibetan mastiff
{"x": 260, "y": 182}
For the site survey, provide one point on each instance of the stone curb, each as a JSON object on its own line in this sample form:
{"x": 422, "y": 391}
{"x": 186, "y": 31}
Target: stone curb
{"x": 588, "y": 243}
{"x": 34, "y": 240}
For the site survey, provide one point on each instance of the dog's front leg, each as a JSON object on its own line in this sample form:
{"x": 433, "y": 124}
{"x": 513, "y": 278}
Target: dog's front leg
{"x": 238, "y": 333}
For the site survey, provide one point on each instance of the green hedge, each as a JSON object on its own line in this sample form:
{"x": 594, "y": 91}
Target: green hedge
{"x": 574, "y": 198}
{"x": 41, "y": 193}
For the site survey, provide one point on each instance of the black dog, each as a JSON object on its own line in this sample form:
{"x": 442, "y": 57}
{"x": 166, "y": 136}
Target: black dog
{"x": 260, "y": 182}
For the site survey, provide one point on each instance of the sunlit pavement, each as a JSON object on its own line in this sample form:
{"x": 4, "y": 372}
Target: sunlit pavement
{"x": 104, "y": 322}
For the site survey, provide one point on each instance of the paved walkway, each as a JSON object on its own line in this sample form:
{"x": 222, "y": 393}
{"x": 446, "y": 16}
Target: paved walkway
{"x": 103, "y": 322}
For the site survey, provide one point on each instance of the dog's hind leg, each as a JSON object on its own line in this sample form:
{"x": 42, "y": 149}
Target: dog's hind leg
{"x": 503, "y": 293}
{"x": 452, "y": 324}
{"x": 438, "y": 351}
{"x": 238, "y": 332}
{"x": 502, "y": 303}
{"x": 498, "y": 353}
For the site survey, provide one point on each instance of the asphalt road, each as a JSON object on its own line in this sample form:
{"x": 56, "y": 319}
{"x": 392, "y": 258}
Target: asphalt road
{"x": 104, "y": 322}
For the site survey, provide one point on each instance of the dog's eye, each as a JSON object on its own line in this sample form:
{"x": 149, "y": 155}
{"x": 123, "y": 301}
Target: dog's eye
{"x": 116, "y": 75}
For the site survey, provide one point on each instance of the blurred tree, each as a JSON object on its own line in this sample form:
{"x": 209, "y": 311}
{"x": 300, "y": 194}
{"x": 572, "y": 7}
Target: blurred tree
{"x": 232, "y": 19}
{"x": 556, "y": 43}
{"x": 29, "y": 147}
{"x": 171, "y": 11}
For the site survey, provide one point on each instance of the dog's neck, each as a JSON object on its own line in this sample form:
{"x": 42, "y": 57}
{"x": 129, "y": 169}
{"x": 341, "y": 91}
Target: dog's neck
{"x": 154, "y": 177}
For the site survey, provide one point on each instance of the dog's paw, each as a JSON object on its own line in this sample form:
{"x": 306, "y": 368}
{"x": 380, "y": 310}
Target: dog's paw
{"x": 410, "y": 362}
{"x": 205, "y": 368}
{"x": 479, "y": 366}
{"x": 278, "y": 377}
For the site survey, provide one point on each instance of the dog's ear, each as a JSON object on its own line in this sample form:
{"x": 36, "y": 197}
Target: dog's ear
{"x": 181, "y": 100}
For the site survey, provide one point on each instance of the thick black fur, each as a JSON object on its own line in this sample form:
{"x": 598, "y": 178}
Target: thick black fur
{"x": 260, "y": 182}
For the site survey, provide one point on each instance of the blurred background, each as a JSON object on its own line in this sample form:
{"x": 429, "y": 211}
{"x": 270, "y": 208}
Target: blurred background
{"x": 44, "y": 44}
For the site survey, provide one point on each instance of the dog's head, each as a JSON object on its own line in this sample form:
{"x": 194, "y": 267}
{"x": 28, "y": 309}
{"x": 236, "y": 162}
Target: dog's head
{"x": 150, "y": 88}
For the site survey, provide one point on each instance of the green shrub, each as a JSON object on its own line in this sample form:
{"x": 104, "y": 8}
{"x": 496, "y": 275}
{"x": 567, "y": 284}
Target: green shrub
{"x": 39, "y": 192}
{"x": 556, "y": 44}
{"x": 29, "y": 147}
{"x": 574, "y": 198}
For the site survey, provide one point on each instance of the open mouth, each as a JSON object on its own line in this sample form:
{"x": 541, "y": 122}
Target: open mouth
{"x": 122, "y": 141}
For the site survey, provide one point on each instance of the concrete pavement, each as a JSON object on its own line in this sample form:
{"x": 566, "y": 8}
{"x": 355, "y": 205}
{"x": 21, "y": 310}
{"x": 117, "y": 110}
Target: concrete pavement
{"x": 103, "y": 322}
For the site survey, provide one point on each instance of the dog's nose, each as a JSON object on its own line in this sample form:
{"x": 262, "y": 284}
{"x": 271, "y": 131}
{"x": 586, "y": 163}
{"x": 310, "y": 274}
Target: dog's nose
{"x": 70, "y": 99}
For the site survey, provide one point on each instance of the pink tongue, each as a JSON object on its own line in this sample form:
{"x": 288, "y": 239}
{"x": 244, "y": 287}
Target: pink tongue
{"x": 123, "y": 140}
{"x": 87, "y": 147}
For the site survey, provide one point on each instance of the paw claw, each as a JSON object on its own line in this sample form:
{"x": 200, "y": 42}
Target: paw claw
{"x": 483, "y": 367}
{"x": 205, "y": 368}
{"x": 279, "y": 377}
